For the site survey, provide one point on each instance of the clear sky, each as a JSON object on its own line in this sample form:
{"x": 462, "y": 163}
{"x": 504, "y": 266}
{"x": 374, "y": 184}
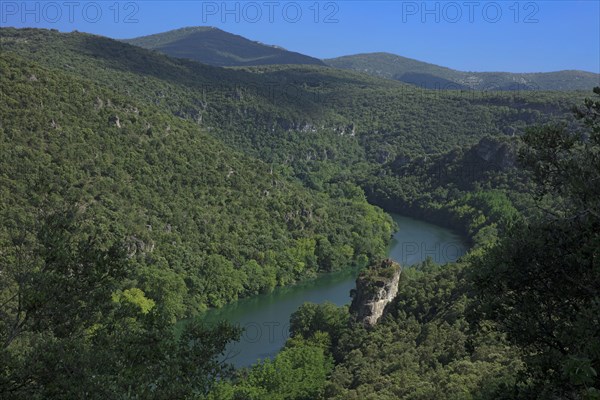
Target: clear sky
{"x": 515, "y": 36}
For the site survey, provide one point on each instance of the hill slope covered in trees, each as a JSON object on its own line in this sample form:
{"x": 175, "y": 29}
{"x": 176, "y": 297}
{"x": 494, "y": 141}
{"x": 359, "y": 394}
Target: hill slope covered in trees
{"x": 516, "y": 318}
{"x": 213, "y": 46}
{"x": 139, "y": 188}
{"x": 304, "y": 117}
{"x": 430, "y": 76}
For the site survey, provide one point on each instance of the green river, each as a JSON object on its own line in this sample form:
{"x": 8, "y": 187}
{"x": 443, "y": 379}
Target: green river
{"x": 265, "y": 318}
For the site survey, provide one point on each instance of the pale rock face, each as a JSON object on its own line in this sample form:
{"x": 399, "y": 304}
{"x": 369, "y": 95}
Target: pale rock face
{"x": 373, "y": 295}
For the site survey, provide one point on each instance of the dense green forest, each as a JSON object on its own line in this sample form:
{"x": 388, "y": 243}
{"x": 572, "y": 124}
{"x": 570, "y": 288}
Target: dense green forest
{"x": 179, "y": 221}
{"x": 188, "y": 203}
{"x": 517, "y": 318}
{"x": 305, "y": 117}
{"x": 138, "y": 189}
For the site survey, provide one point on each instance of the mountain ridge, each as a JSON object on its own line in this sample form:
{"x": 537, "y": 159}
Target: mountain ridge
{"x": 387, "y": 53}
{"x": 214, "y": 46}
{"x": 210, "y": 45}
{"x": 432, "y": 76}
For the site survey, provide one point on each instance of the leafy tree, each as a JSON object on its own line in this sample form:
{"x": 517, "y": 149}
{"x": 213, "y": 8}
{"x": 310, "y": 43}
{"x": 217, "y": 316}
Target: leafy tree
{"x": 73, "y": 325}
{"x": 298, "y": 372}
{"x": 310, "y": 319}
{"x": 542, "y": 283}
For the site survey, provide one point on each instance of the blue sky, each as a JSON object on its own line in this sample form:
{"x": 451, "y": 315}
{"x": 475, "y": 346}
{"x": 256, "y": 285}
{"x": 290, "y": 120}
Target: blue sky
{"x": 516, "y": 36}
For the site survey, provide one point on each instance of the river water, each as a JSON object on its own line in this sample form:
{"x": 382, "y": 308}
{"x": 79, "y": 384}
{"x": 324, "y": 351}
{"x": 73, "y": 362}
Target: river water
{"x": 265, "y": 318}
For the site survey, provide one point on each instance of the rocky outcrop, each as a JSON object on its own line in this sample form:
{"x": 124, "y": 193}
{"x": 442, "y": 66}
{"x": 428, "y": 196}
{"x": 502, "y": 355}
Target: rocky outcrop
{"x": 500, "y": 154}
{"x": 376, "y": 287}
{"x": 135, "y": 245}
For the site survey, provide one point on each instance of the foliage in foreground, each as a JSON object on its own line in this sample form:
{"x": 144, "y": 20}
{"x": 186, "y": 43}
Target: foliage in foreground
{"x": 75, "y": 324}
{"x": 542, "y": 283}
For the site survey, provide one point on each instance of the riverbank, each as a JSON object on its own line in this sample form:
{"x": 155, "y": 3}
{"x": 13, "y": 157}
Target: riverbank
{"x": 265, "y": 317}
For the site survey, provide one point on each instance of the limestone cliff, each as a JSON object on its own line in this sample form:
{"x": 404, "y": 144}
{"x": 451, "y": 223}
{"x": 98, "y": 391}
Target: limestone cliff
{"x": 493, "y": 153}
{"x": 376, "y": 287}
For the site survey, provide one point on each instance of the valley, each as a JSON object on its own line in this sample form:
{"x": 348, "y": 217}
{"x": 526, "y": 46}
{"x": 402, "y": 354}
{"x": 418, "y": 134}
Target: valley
{"x": 228, "y": 183}
{"x": 266, "y": 317}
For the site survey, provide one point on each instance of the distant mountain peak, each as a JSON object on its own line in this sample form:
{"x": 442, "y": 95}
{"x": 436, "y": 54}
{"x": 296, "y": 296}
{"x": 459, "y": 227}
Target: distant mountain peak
{"x": 210, "y": 45}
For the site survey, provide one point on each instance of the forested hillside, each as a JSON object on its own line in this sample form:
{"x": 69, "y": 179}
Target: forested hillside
{"x": 220, "y": 224}
{"x": 138, "y": 189}
{"x": 517, "y": 321}
{"x": 213, "y": 46}
{"x": 430, "y": 76}
{"x": 516, "y": 318}
{"x": 201, "y": 224}
{"x": 317, "y": 122}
